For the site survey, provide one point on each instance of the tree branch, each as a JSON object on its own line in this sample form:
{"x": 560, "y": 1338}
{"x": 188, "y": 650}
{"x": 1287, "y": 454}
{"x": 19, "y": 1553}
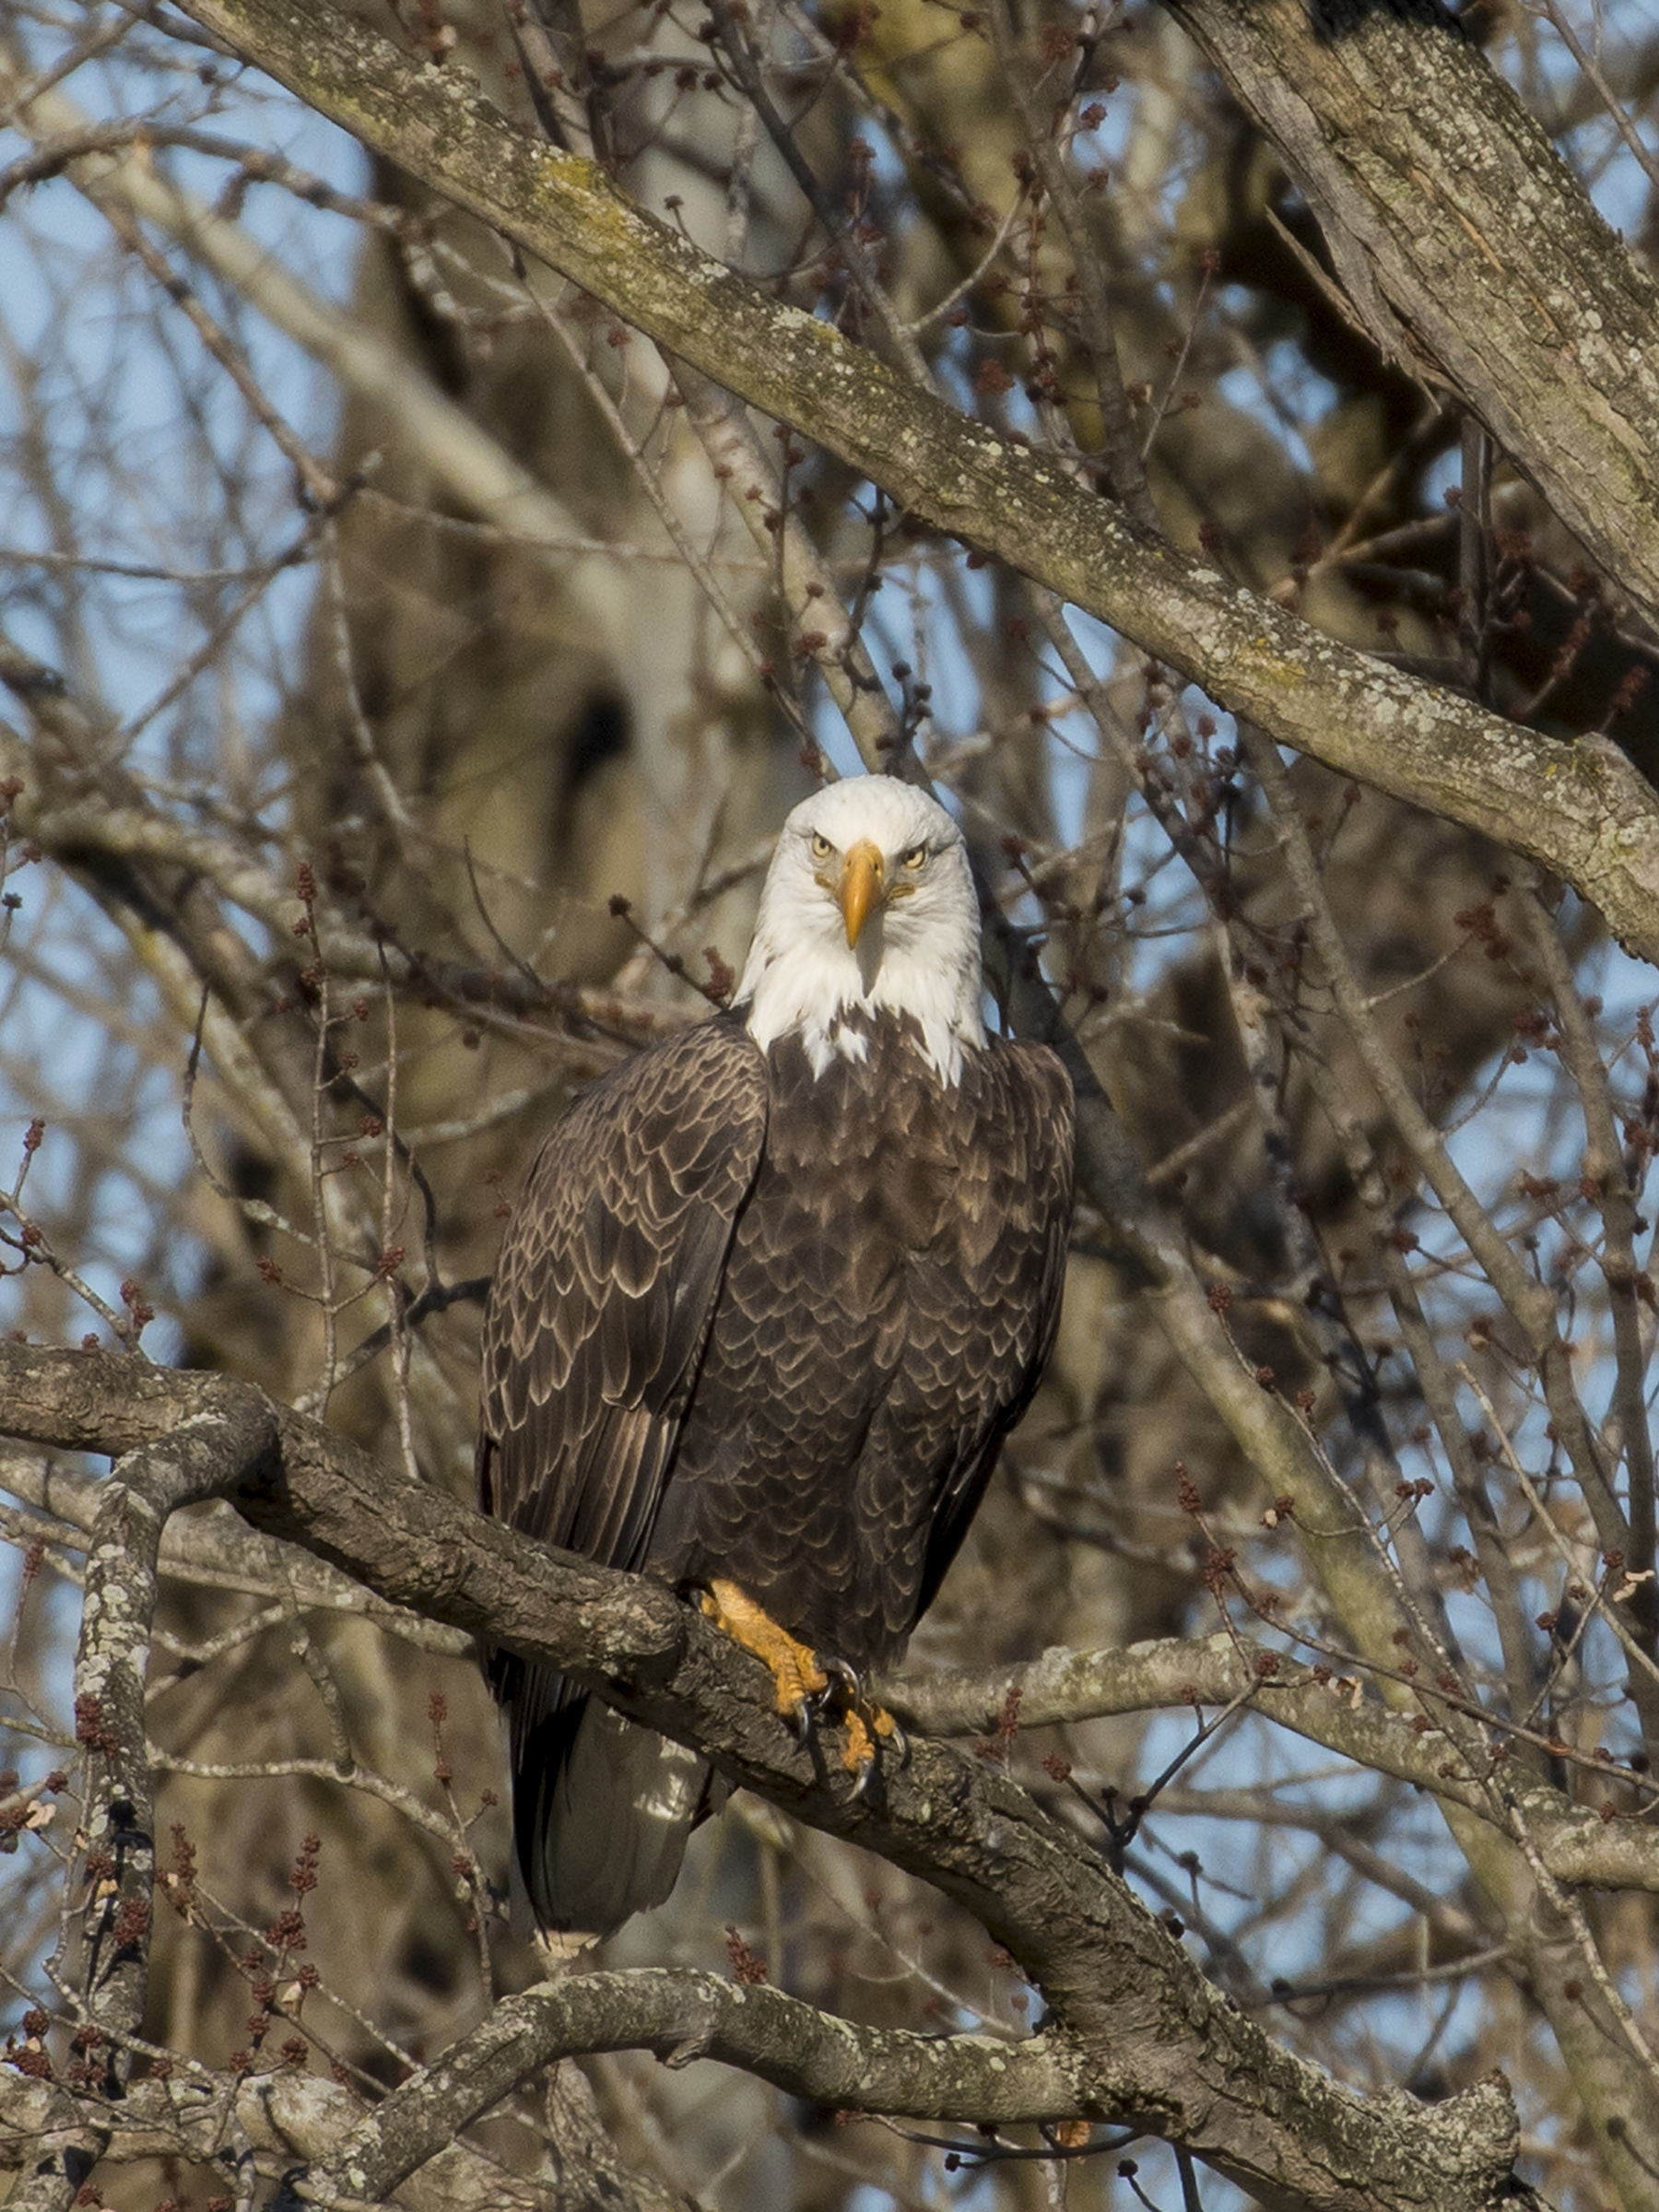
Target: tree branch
{"x": 89, "y": 824}
{"x": 1578, "y": 1843}
{"x": 1469, "y": 249}
{"x": 112, "y": 1877}
{"x": 281, "y": 2118}
{"x": 1145, "y": 2038}
{"x": 1580, "y": 811}
{"x": 682, "y": 2015}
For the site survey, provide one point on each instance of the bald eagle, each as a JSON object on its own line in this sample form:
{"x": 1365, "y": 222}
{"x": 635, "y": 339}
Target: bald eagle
{"x": 774, "y": 1294}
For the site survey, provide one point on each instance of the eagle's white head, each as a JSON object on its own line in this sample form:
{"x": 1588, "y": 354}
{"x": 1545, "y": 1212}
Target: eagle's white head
{"x": 868, "y": 906}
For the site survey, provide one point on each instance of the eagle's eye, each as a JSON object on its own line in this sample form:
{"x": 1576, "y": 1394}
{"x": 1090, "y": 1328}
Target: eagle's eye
{"x": 820, "y": 846}
{"x": 915, "y": 859}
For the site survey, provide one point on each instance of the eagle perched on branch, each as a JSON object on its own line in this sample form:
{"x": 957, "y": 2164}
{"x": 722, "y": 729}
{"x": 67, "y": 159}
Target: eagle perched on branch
{"x": 774, "y": 1294}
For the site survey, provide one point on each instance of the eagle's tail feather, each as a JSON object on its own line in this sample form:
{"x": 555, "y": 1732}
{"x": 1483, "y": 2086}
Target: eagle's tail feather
{"x": 605, "y": 1808}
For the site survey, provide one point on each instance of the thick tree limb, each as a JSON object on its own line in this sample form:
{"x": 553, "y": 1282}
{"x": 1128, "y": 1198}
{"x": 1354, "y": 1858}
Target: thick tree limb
{"x": 1580, "y": 811}
{"x": 279, "y": 2119}
{"x": 1469, "y": 249}
{"x": 219, "y": 1552}
{"x": 1578, "y": 1845}
{"x": 1143, "y": 2037}
{"x": 111, "y": 1876}
{"x": 683, "y": 2016}
{"x": 209, "y": 1452}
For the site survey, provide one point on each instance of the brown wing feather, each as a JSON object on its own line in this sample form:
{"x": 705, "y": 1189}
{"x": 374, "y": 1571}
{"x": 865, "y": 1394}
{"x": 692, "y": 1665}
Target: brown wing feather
{"x": 597, "y": 1319}
{"x": 604, "y": 1289}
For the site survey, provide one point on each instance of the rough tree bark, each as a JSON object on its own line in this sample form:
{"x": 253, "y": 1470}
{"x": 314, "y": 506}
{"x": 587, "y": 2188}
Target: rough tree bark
{"x": 1135, "y": 2033}
{"x": 1469, "y": 251}
{"x": 1580, "y": 810}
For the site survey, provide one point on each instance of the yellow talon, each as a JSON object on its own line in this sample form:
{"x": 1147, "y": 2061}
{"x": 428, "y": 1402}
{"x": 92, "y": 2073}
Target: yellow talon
{"x": 859, "y": 1755}
{"x": 794, "y": 1667}
{"x": 800, "y": 1679}
{"x": 867, "y": 1725}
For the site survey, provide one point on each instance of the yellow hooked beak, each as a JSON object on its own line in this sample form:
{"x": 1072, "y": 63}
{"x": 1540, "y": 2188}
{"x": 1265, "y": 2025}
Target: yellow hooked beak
{"x": 862, "y": 887}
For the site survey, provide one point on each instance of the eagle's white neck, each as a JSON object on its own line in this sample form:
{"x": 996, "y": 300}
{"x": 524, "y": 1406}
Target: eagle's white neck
{"x": 917, "y": 957}
{"x": 811, "y": 993}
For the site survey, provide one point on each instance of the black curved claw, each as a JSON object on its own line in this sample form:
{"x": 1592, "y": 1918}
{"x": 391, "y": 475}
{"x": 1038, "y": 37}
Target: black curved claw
{"x": 844, "y": 1687}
